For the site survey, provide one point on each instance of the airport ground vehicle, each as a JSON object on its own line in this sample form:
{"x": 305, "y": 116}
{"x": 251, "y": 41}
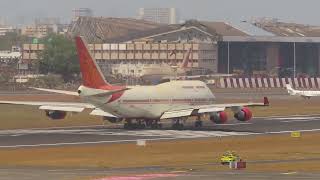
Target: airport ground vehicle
{"x": 229, "y": 156}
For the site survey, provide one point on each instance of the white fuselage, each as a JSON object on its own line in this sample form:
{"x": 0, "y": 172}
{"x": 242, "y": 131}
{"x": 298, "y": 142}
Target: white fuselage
{"x": 303, "y": 93}
{"x": 150, "y": 102}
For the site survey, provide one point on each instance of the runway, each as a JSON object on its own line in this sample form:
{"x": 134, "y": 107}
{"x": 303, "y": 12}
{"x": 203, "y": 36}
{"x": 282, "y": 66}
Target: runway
{"x": 144, "y": 174}
{"x": 107, "y": 134}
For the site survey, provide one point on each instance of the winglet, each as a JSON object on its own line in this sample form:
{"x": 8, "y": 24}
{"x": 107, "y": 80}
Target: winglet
{"x": 266, "y": 101}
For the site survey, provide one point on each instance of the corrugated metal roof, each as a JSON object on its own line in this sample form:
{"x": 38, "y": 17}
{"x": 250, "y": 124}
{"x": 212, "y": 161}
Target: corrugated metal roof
{"x": 270, "y": 39}
{"x": 250, "y": 29}
{"x": 224, "y": 29}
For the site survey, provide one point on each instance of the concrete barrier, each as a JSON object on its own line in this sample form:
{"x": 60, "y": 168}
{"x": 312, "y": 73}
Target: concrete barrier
{"x": 307, "y": 83}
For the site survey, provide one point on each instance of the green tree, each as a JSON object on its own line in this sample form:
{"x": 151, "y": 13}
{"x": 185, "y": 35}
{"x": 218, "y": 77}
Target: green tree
{"x": 11, "y": 39}
{"x": 59, "y": 57}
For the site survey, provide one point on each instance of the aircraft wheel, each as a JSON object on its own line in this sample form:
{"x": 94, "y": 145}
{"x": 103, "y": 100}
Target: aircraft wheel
{"x": 142, "y": 126}
{"x": 178, "y": 126}
{"x": 127, "y": 126}
{"x": 154, "y": 126}
{"x": 198, "y": 124}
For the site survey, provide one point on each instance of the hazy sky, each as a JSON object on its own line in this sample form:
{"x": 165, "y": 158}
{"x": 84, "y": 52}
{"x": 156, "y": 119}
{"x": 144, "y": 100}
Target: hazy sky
{"x": 301, "y": 11}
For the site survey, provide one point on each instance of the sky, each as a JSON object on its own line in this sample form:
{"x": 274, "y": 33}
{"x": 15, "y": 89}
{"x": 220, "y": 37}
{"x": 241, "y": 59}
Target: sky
{"x": 300, "y": 11}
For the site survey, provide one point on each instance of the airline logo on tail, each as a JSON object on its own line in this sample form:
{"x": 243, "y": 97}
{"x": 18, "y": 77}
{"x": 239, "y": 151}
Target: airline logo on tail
{"x": 92, "y": 76}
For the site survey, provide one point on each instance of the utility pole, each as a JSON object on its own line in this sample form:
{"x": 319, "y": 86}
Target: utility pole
{"x": 228, "y": 58}
{"x": 294, "y": 59}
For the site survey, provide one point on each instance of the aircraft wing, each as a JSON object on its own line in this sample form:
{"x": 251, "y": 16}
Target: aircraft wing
{"x": 62, "y": 106}
{"x": 210, "y": 108}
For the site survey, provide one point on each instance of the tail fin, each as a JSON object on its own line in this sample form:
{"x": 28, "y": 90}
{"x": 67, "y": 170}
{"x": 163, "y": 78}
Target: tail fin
{"x": 186, "y": 59}
{"x": 290, "y": 90}
{"x": 288, "y": 86}
{"x": 91, "y": 73}
{"x": 266, "y": 101}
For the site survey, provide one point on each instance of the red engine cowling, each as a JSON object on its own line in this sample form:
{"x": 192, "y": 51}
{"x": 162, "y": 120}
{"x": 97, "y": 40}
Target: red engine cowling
{"x": 219, "y": 118}
{"x": 56, "y": 115}
{"x": 244, "y": 114}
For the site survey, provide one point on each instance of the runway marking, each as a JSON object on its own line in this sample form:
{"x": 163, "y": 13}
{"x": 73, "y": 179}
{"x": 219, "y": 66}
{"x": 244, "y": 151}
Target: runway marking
{"x": 140, "y": 177}
{"x": 293, "y": 121}
{"x": 297, "y": 118}
{"x": 283, "y": 132}
{"x": 188, "y": 135}
{"x": 289, "y": 173}
{"x": 143, "y": 133}
{"x": 235, "y": 124}
{"x": 301, "y": 115}
{"x": 83, "y": 143}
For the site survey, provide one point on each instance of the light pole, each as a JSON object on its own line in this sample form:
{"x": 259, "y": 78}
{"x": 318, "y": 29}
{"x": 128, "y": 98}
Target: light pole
{"x": 294, "y": 59}
{"x": 228, "y": 58}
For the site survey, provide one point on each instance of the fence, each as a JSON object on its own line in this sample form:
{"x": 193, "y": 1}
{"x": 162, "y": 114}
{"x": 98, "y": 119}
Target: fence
{"x": 268, "y": 82}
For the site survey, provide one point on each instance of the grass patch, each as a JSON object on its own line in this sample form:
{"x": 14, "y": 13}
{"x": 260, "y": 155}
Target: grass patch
{"x": 195, "y": 154}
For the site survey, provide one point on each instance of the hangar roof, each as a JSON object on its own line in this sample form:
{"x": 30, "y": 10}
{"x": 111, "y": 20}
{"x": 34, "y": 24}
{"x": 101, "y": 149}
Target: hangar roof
{"x": 288, "y": 29}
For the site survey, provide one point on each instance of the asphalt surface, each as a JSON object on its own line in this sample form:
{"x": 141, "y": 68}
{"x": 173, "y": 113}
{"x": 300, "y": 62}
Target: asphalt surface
{"x": 136, "y": 174}
{"x": 103, "y": 135}
{"x": 116, "y": 134}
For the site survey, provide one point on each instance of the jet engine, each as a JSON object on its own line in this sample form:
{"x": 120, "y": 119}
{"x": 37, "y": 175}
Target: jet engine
{"x": 244, "y": 114}
{"x": 56, "y": 115}
{"x": 112, "y": 120}
{"x": 219, "y": 117}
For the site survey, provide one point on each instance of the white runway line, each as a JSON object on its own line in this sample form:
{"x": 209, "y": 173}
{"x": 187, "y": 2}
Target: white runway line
{"x": 235, "y": 124}
{"x": 283, "y": 132}
{"x": 293, "y": 121}
{"x": 83, "y": 143}
{"x": 296, "y": 118}
{"x": 291, "y": 116}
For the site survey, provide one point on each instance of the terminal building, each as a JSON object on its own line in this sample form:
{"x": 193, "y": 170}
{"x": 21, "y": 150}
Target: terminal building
{"x": 130, "y": 59}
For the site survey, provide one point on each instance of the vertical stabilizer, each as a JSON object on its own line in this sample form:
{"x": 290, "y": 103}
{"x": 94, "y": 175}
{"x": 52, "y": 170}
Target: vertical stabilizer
{"x": 290, "y": 90}
{"x": 92, "y": 76}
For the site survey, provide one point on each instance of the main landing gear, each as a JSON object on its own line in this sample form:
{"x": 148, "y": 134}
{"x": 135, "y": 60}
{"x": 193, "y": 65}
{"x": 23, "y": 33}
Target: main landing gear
{"x": 178, "y": 123}
{"x": 198, "y": 123}
{"x": 142, "y": 124}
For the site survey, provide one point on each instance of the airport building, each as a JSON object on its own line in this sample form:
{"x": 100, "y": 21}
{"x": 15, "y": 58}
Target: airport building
{"x": 129, "y": 59}
{"x": 260, "y": 48}
{"x": 37, "y": 30}
{"x": 6, "y": 29}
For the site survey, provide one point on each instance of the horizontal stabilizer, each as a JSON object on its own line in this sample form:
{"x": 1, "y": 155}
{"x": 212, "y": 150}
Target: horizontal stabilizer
{"x": 71, "y": 93}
